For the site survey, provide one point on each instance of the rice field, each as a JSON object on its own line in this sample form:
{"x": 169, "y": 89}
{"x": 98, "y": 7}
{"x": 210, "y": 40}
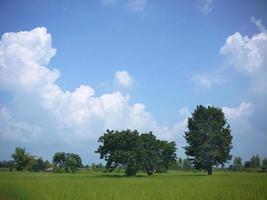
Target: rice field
{"x": 97, "y": 185}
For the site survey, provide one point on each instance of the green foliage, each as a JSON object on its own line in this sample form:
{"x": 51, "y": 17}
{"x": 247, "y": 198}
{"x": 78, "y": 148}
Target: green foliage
{"x": 66, "y": 162}
{"x": 135, "y": 152}
{"x": 237, "y": 164}
{"x": 255, "y": 162}
{"x": 264, "y": 165}
{"x": 21, "y": 159}
{"x": 209, "y": 138}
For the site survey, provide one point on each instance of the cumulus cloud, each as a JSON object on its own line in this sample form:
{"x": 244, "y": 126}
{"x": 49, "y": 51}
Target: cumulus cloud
{"x": 205, "y": 6}
{"x": 249, "y": 56}
{"x": 77, "y": 115}
{"x": 123, "y": 79}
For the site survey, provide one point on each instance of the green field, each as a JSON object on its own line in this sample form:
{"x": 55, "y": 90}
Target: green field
{"x": 96, "y": 185}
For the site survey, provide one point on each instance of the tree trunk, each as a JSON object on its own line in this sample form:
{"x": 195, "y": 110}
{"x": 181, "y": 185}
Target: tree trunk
{"x": 210, "y": 170}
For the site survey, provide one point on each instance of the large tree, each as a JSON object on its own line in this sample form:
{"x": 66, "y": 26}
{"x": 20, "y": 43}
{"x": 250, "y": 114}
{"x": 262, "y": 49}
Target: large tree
{"x": 209, "y": 138}
{"x": 135, "y": 152}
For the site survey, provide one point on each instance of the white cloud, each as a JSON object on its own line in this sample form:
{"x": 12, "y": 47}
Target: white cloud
{"x": 259, "y": 24}
{"x": 205, "y": 6}
{"x": 206, "y": 80}
{"x": 245, "y": 109}
{"x": 77, "y": 114}
{"x": 18, "y": 131}
{"x": 249, "y": 56}
{"x": 23, "y": 57}
{"x": 134, "y": 6}
{"x": 123, "y": 79}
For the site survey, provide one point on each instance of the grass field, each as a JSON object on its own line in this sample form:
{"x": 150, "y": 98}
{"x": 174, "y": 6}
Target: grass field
{"x": 96, "y": 185}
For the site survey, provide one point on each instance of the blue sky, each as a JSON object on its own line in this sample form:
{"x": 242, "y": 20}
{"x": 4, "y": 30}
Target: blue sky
{"x": 137, "y": 64}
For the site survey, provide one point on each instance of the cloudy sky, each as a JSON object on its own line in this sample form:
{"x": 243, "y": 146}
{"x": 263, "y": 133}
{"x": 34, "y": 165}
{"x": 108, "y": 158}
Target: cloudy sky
{"x": 69, "y": 70}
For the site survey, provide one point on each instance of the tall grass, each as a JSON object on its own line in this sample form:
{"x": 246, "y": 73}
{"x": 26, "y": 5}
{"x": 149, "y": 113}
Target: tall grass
{"x": 96, "y": 185}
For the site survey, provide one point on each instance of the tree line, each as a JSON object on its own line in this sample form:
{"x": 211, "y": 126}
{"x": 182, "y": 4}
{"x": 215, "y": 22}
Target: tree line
{"x": 254, "y": 164}
{"x": 209, "y": 142}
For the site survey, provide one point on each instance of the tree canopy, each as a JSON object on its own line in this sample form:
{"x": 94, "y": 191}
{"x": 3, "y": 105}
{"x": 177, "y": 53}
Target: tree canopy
{"x": 135, "y": 151}
{"x": 209, "y": 138}
{"x": 67, "y": 161}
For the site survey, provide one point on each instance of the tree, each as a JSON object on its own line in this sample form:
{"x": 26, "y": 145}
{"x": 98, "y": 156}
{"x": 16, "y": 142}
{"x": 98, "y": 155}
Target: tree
{"x": 59, "y": 159}
{"x": 134, "y": 152}
{"x": 209, "y": 138}
{"x": 264, "y": 165}
{"x": 247, "y": 164}
{"x": 73, "y": 162}
{"x": 255, "y": 161}
{"x": 237, "y": 164}
{"x": 67, "y": 161}
{"x": 21, "y": 159}
{"x": 121, "y": 148}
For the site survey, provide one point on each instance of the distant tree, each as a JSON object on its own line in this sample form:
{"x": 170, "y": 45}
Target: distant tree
{"x": 38, "y": 164}
{"x": 255, "y": 161}
{"x": 237, "y": 164}
{"x": 7, "y": 164}
{"x": 135, "y": 152}
{"x": 21, "y": 159}
{"x": 264, "y": 165}
{"x": 67, "y": 161}
{"x": 59, "y": 159}
{"x": 247, "y": 164}
{"x": 73, "y": 162}
{"x": 209, "y": 138}
{"x": 187, "y": 164}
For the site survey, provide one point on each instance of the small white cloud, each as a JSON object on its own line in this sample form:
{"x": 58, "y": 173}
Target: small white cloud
{"x": 205, "y": 80}
{"x": 136, "y": 5}
{"x": 205, "y": 6}
{"x": 245, "y": 109}
{"x": 123, "y": 79}
{"x": 259, "y": 24}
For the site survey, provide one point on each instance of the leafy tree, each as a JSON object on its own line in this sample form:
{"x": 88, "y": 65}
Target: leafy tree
{"x": 237, "y": 164}
{"x": 59, "y": 159}
{"x": 121, "y": 148}
{"x": 135, "y": 152}
{"x": 21, "y": 159}
{"x": 209, "y": 138}
{"x": 67, "y": 161}
{"x": 73, "y": 162}
{"x": 255, "y": 161}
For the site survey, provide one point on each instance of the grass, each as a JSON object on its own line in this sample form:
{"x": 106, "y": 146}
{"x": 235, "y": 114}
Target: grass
{"x": 96, "y": 185}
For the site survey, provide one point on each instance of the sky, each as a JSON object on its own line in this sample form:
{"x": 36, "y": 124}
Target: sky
{"x": 69, "y": 70}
